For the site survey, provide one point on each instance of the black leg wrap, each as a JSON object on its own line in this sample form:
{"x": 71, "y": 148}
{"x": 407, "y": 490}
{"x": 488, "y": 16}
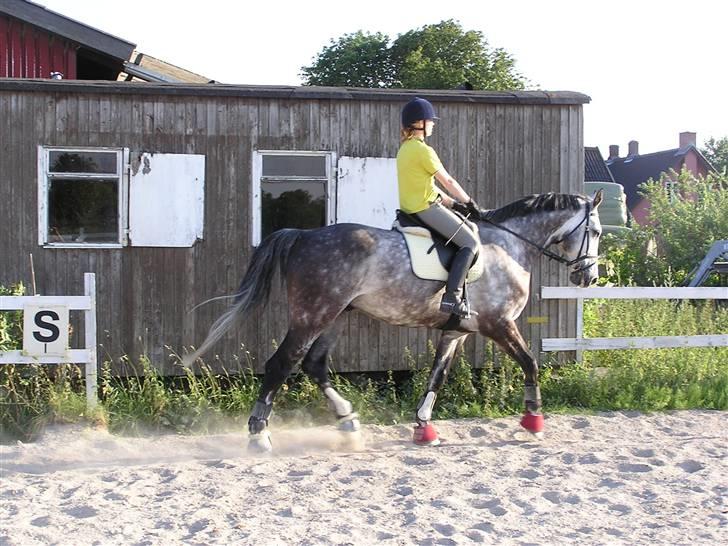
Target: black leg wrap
{"x": 258, "y": 420}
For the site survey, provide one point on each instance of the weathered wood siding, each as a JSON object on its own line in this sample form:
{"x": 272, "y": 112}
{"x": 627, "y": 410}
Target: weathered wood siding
{"x": 497, "y": 148}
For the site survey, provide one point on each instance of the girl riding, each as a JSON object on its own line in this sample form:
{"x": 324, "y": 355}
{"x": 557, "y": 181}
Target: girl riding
{"x": 418, "y": 166}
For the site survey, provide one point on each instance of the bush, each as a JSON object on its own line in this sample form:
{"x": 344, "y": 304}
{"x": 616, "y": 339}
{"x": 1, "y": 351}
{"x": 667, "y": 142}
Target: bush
{"x": 11, "y": 322}
{"x": 687, "y": 216}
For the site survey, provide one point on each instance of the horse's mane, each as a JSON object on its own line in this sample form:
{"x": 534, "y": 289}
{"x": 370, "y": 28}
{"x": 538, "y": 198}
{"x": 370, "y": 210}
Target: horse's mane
{"x": 545, "y": 202}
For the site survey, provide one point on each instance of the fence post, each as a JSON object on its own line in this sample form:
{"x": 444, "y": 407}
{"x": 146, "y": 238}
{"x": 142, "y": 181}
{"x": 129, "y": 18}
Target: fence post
{"x": 579, "y": 327}
{"x": 89, "y": 282}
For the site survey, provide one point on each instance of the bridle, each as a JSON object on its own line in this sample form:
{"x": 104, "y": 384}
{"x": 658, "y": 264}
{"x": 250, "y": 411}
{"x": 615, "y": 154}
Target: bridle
{"x": 585, "y": 242}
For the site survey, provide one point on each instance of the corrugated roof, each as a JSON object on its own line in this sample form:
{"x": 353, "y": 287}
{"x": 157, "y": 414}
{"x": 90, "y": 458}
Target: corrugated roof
{"x": 595, "y": 169}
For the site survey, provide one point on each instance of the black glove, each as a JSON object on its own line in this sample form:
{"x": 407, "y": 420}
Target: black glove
{"x": 473, "y": 209}
{"x": 460, "y": 208}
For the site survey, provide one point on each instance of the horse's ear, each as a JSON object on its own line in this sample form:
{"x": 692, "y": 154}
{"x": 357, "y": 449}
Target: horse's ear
{"x": 598, "y": 196}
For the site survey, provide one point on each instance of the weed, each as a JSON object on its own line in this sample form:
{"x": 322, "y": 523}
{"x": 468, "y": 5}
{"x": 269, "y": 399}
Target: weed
{"x": 204, "y": 401}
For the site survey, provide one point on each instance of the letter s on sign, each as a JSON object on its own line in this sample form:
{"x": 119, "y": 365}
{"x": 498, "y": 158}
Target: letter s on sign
{"x": 47, "y": 326}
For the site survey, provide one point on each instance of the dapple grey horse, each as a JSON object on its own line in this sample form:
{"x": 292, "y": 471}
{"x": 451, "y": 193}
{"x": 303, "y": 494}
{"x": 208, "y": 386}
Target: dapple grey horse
{"x": 334, "y": 269}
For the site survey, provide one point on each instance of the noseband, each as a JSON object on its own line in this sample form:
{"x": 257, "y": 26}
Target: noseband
{"x": 552, "y": 255}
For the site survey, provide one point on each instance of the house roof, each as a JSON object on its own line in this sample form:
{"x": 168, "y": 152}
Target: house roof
{"x": 293, "y": 92}
{"x": 150, "y": 69}
{"x": 71, "y": 29}
{"x": 595, "y": 169}
{"x": 631, "y": 171}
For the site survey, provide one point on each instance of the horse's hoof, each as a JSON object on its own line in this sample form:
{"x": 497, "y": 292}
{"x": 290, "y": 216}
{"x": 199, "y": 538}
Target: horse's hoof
{"x": 425, "y": 435}
{"x": 533, "y": 423}
{"x": 260, "y": 444}
{"x": 349, "y": 423}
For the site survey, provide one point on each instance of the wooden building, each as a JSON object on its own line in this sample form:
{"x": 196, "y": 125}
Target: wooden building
{"x": 36, "y": 42}
{"x": 163, "y": 190}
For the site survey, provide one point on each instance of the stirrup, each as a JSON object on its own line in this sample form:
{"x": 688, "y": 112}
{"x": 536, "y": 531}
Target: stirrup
{"x": 453, "y": 305}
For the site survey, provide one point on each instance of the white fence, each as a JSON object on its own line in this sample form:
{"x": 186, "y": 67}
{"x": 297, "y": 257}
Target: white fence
{"x": 580, "y": 343}
{"x": 29, "y": 355}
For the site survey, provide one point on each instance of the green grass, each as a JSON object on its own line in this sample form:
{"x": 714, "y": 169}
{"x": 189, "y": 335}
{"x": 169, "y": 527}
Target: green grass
{"x": 32, "y": 397}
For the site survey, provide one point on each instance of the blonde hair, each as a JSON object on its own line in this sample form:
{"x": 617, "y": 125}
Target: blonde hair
{"x": 406, "y": 133}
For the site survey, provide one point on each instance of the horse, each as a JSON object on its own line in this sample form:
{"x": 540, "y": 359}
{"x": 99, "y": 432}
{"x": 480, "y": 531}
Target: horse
{"x": 332, "y": 270}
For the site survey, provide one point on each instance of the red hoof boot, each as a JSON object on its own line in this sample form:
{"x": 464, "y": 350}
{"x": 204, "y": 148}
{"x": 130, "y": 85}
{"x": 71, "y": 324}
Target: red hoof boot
{"x": 426, "y": 435}
{"x": 533, "y": 423}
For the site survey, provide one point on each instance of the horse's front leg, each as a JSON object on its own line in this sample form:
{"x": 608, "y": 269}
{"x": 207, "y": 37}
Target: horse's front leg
{"x": 425, "y": 434}
{"x": 510, "y": 340}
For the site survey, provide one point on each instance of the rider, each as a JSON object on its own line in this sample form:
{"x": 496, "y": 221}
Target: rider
{"x": 418, "y": 166}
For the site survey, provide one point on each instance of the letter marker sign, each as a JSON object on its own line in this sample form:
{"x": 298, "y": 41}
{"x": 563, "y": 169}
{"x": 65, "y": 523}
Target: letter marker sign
{"x": 45, "y": 330}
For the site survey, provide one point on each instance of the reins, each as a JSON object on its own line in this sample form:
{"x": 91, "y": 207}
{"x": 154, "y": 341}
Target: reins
{"x": 544, "y": 249}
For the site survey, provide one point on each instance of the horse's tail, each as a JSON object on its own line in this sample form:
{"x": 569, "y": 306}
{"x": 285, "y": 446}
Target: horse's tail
{"x": 255, "y": 287}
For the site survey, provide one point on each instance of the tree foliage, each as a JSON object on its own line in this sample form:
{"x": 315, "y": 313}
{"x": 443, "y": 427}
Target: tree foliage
{"x": 439, "y": 56}
{"x": 687, "y": 215}
{"x": 716, "y": 151}
{"x": 354, "y": 60}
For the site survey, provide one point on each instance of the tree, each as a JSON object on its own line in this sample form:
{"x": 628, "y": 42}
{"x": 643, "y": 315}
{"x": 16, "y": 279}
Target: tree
{"x": 440, "y": 56}
{"x": 443, "y": 56}
{"x": 354, "y": 60}
{"x": 716, "y": 152}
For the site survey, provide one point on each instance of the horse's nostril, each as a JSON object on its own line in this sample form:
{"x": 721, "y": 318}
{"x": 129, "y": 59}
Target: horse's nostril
{"x": 593, "y": 281}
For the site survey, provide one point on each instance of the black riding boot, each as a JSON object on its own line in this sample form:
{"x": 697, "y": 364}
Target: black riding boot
{"x": 452, "y": 302}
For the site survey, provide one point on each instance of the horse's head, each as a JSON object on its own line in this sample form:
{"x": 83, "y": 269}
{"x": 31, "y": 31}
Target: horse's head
{"x": 578, "y": 239}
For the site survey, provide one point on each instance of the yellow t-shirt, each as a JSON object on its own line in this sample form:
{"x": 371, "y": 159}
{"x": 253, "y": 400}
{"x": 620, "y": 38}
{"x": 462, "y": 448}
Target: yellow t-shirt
{"x": 416, "y": 164}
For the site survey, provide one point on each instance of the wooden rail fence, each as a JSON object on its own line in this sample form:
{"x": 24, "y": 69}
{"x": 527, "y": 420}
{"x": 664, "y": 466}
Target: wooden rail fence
{"x": 580, "y": 343}
{"x": 87, "y": 355}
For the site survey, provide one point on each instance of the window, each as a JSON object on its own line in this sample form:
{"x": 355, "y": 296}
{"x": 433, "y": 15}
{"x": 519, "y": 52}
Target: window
{"x": 291, "y": 190}
{"x": 81, "y": 197}
{"x": 105, "y": 197}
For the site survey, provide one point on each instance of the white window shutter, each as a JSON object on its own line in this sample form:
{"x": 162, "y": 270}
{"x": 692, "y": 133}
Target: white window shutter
{"x": 366, "y": 191}
{"x": 166, "y": 199}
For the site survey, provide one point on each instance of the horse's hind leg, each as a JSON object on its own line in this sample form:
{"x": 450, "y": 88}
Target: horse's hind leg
{"x": 315, "y": 364}
{"x": 277, "y": 369}
{"x": 511, "y": 341}
{"x": 425, "y": 433}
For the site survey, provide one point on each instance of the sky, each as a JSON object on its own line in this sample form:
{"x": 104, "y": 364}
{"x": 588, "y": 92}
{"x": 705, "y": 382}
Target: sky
{"x": 652, "y": 68}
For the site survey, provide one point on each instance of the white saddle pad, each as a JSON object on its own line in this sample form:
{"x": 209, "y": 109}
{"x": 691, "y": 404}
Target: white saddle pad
{"x": 428, "y": 266}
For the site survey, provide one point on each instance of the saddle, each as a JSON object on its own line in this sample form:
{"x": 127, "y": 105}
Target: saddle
{"x": 429, "y": 255}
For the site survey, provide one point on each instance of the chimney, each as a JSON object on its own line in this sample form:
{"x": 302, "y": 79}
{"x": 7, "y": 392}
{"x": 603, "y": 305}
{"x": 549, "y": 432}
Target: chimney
{"x": 613, "y": 152}
{"x": 633, "y": 146}
{"x": 688, "y": 139}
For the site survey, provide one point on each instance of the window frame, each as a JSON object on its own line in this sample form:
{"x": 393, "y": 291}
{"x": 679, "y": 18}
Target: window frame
{"x": 44, "y": 181}
{"x": 258, "y": 178}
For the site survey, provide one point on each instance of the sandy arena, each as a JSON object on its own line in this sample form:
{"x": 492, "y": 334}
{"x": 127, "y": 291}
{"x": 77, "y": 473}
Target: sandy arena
{"x": 611, "y": 478}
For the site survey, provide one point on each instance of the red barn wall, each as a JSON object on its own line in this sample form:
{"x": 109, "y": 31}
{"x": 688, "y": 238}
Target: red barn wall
{"x": 27, "y": 51}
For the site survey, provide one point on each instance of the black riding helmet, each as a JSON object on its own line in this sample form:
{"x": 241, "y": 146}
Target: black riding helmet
{"x": 417, "y": 109}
